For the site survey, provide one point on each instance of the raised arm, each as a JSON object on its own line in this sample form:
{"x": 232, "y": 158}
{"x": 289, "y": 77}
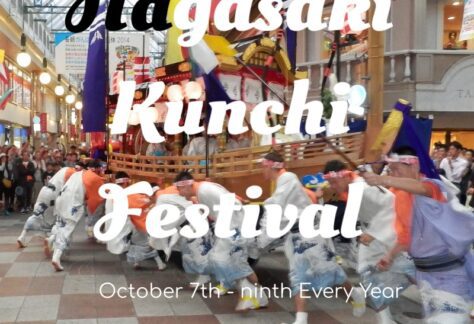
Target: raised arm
{"x": 413, "y": 186}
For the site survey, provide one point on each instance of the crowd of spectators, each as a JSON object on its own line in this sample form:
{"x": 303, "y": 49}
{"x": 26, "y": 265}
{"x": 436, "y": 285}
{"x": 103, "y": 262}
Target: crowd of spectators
{"x": 24, "y": 171}
{"x": 455, "y": 163}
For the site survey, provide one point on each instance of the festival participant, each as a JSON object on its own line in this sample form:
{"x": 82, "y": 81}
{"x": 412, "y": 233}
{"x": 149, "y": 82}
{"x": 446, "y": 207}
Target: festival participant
{"x": 311, "y": 261}
{"x": 140, "y": 248}
{"x": 437, "y": 232}
{"x": 228, "y": 257}
{"x": 121, "y": 243}
{"x": 339, "y": 178}
{"x": 377, "y": 218}
{"x": 133, "y": 238}
{"x": 194, "y": 252}
{"x": 79, "y": 195}
{"x": 43, "y": 217}
{"x": 237, "y": 142}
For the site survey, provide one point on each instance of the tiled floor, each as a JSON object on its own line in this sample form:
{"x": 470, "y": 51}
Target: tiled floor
{"x": 31, "y": 292}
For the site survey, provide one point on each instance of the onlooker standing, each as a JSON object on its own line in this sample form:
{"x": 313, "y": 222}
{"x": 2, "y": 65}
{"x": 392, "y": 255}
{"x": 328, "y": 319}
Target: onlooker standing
{"x": 50, "y": 172}
{"x": 6, "y": 183}
{"x": 454, "y": 165}
{"x": 25, "y": 172}
{"x": 12, "y": 159}
{"x": 439, "y": 154}
{"x": 59, "y": 159}
{"x": 73, "y": 150}
{"x": 71, "y": 160}
{"x": 40, "y": 168}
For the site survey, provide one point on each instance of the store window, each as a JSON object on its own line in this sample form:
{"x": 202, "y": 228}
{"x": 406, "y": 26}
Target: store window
{"x": 20, "y": 82}
{"x": 453, "y": 13}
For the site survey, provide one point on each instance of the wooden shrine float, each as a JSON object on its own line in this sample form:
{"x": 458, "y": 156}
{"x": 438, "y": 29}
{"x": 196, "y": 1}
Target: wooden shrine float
{"x": 240, "y": 168}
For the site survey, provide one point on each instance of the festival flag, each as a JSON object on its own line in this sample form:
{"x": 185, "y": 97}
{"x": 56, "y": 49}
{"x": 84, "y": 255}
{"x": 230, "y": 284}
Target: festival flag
{"x": 141, "y": 68}
{"x": 5, "y": 81}
{"x": 400, "y": 130}
{"x": 117, "y": 77}
{"x": 95, "y": 81}
{"x": 291, "y": 37}
{"x": 346, "y": 30}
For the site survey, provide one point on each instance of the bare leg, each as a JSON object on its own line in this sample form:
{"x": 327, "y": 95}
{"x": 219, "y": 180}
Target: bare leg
{"x": 253, "y": 278}
{"x": 300, "y": 306}
{"x": 357, "y": 297}
{"x": 300, "y": 303}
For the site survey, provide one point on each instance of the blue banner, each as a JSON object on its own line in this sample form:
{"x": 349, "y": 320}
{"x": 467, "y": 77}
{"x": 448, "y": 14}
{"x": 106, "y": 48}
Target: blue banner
{"x": 94, "y": 113}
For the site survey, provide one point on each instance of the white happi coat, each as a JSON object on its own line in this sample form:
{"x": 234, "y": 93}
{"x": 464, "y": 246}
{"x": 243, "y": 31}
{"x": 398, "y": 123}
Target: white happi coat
{"x": 120, "y": 244}
{"x": 194, "y": 252}
{"x": 181, "y": 203}
{"x": 71, "y": 204}
{"x": 43, "y": 217}
{"x": 229, "y": 256}
{"x": 311, "y": 261}
{"x": 377, "y": 217}
{"x": 70, "y": 208}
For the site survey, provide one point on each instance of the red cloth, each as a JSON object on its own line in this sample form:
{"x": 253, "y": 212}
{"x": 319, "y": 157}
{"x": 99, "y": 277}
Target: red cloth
{"x": 141, "y": 201}
{"x": 92, "y": 183}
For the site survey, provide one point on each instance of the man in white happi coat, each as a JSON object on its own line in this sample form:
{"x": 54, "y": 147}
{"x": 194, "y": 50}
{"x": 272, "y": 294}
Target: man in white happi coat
{"x": 228, "y": 257}
{"x": 377, "y": 219}
{"x": 312, "y": 263}
{"x": 133, "y": 238}
{"x": 43, "y": 217}
{"x": 79, "y": 195}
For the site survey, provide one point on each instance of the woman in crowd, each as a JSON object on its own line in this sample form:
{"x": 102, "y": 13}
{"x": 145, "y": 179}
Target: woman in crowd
{"x": 6, "y": 183}
{"x": 40, "y": 168}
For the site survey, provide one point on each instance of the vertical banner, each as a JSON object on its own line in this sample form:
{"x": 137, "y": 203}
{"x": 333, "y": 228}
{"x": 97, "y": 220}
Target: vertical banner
{"x": 26, "y": 94}
{"x": 95, "y": 81}
{"x": 44, "y": 122}
{"x": 72, "y": 130}
{"x": 467, "y": 30}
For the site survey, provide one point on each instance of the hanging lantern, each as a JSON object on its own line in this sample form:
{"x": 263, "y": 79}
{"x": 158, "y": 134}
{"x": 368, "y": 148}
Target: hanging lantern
{"x": 70, "y": 98}
{"x": 23, "y": 58}
{"x": 150, "y": 114}
{"x": 193, "y": 90}
{"x": 59, "y": 90}
{"x": 342, "y": 90}
{"x": 134, "y": 118}
{"x": 175, "y": 93}
{"x": 45, "y": 77}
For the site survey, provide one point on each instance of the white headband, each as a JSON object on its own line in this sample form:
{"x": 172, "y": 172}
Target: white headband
{"x": 122, "y": 180}
{"x": 184, "y": 183}
{"x": 405, "y": 159}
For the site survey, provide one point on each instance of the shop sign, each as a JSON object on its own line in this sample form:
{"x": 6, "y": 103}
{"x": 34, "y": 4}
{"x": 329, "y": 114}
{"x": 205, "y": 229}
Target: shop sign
{"x": 467, "y": 30}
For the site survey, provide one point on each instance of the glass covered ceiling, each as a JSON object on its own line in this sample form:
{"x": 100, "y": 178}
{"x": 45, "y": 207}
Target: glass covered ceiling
{"x": 53, "y": 12}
